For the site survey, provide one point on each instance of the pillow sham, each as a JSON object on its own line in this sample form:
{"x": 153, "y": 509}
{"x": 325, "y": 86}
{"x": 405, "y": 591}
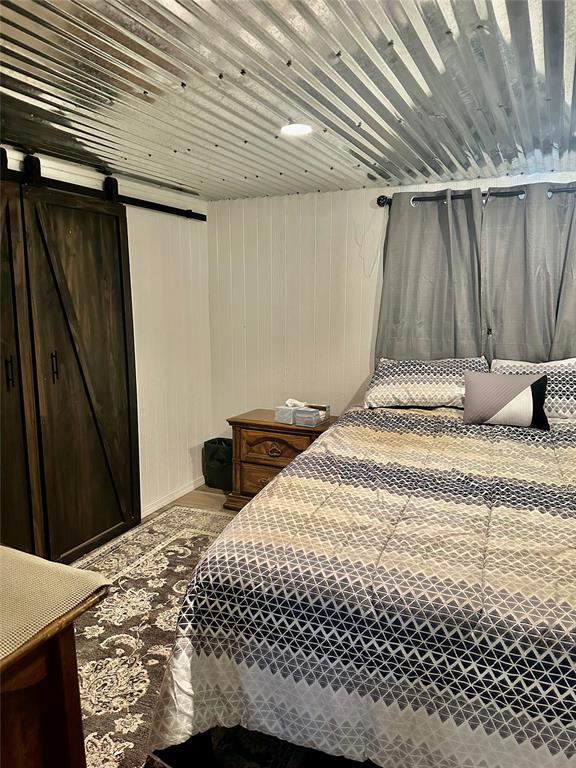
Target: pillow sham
{"x": 561, "y": 392}
{"x": 420, "y": 383}
{"x": 514, "y": 401}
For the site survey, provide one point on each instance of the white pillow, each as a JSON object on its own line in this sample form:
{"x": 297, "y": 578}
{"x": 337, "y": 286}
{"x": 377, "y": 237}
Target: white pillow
{"x": 561, "y": 392}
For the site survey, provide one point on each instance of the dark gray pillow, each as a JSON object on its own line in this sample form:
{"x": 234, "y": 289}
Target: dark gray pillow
{"x": 515, "y": 401}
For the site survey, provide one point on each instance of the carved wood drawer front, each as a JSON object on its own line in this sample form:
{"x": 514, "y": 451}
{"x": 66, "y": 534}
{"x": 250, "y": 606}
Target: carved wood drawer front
{"x": 271, "y": 448}
{"x": 254, "y": 478}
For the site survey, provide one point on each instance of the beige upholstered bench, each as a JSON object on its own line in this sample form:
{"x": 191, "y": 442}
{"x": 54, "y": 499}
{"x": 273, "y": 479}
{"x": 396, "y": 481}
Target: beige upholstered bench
{"x": 40, "y": 701}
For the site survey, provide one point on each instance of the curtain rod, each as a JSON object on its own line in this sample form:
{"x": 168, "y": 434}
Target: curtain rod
{"x": 382, "y": 200}
{"x": 32, "y": 175}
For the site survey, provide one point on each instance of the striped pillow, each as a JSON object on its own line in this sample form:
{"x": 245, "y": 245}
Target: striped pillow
{"x": 513, "y": 401}
{"x": 561, "y": 393}
{"x": 421, "y": 383}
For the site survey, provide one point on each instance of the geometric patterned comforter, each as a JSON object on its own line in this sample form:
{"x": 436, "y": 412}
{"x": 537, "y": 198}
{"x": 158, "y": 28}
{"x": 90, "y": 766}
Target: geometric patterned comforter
{"x": 404, "y": 592}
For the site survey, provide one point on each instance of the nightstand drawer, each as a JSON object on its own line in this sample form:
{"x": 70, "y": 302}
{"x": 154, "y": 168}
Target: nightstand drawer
{"x": 271, "y": 448}
{"x": 253, "y": 478}
{"x": 262, "y": 447}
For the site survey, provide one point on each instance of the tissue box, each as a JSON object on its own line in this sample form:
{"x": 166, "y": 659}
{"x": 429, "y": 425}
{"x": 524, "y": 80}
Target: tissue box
{"x": 284, "y": 414}
{"x": 307, "y": 417}
{"x": 324, "y": 410}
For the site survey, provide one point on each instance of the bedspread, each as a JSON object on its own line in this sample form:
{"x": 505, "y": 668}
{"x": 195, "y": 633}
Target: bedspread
{"x": 404, "y": 592}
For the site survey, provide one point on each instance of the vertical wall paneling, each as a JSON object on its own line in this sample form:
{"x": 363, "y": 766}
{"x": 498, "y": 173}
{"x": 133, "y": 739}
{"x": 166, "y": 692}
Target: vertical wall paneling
{"x": 294, "y": 284}
{"x": 294, "y": 294}
{"x": 264, "y": 284}
{"x": 250, "y": 247}
{"x": 169, "y": 272}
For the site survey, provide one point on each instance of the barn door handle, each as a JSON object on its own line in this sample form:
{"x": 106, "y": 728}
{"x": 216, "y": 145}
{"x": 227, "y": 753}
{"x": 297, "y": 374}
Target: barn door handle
{"x": 9, "y": 370}
{"x": 54, "y": 364}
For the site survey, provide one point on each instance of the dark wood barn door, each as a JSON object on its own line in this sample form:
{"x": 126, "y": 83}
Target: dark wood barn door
{"x": 20, "y": 514}
{"x": 84, "y": 354}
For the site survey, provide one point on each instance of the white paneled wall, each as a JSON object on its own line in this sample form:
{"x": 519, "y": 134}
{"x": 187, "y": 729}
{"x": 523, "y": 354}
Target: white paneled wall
{"x": 294, "y": 283}
{"x": 294, "y": 294}
{"x": 169, "y": 274}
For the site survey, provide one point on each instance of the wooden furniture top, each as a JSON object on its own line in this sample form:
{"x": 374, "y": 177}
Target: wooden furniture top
{"x": 38, "y": 599}
{"x": 264, "y": 418}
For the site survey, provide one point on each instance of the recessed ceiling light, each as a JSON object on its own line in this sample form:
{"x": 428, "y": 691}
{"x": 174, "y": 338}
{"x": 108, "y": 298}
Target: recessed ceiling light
{"x": 296, "y": 129}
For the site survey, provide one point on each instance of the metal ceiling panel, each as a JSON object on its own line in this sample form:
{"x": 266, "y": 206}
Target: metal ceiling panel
{"x": 191, "y": 94}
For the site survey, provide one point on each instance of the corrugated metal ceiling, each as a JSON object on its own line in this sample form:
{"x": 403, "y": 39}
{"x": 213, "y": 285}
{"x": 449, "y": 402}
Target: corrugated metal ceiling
{"x": 191, "y": 93}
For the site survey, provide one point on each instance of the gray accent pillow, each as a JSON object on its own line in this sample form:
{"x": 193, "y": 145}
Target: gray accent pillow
{"x": 561, "y": 392}
{"x": 420, "y": 383}
{"x": 514, "y": 401}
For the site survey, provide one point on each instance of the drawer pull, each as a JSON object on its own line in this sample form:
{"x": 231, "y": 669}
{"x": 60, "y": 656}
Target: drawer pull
{"x": 262, "y": 481}
{"x": 275, "y": 450}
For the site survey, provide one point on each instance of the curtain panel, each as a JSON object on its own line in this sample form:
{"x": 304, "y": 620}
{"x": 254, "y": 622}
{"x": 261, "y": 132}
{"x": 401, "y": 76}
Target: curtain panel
{"x": 529, "y": 275}
{"x": 463, "y": 279}
{"x": 431, "y": 281}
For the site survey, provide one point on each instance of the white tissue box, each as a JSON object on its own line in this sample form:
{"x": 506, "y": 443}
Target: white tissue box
{"x": 324, "y": 410}
{"x": 308, "y": 417}
{"x": 284, "y": 414}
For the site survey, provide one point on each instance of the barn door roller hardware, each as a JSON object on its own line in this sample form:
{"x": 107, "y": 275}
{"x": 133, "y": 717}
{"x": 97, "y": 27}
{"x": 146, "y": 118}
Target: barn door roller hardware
{"x": 32, "y": 175}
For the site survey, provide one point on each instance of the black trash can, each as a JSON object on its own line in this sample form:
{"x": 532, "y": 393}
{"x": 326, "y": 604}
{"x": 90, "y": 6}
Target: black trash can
{"x": 217, "y": 463}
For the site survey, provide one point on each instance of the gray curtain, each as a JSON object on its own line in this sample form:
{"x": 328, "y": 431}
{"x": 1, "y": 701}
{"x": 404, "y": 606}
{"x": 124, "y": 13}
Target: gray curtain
{"x": 462, "y": 280}
{"x": 430, "y": 306}
{"x": 529, "y": 275}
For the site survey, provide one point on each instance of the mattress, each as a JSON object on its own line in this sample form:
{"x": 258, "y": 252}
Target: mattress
{"x": 404, "y": 592}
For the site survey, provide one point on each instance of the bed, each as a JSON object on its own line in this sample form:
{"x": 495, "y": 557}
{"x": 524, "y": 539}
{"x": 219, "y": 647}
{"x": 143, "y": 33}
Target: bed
{"x": 403, "y": 592}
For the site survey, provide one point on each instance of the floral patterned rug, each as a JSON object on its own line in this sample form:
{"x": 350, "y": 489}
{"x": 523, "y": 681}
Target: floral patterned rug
{"x": 122, "y": 645}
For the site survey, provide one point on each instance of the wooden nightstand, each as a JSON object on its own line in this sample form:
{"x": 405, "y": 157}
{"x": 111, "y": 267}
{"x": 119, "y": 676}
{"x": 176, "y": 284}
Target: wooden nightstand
{"x": 263, "y": 447}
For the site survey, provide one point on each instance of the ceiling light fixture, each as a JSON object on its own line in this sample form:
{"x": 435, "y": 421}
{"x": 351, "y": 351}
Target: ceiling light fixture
{"x": 296, "y": 129}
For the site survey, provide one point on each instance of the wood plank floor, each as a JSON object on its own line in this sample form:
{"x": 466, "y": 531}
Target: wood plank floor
{"x": 202, "y": 498}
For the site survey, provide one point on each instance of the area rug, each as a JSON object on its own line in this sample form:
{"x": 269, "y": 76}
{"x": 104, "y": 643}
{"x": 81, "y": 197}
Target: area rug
{"x": 122, "y": 645}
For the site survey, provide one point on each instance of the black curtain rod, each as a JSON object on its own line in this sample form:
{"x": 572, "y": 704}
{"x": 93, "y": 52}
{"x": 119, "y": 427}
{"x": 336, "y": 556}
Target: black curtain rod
{"x": 32, "y": 175}
{"x": 383, "y": 200}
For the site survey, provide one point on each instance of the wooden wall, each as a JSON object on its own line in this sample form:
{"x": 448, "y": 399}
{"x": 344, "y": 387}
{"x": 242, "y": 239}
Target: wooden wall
{"x": 169, "y": 270}
{"x": 294, "y": 282}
